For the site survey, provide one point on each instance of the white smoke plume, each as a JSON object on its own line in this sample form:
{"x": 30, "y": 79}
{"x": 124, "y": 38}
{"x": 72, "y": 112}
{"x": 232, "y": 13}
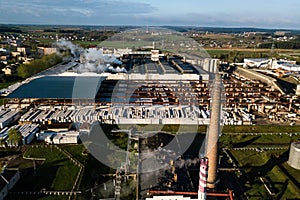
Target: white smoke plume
{"x": 93, "y": 59}
{"x": 67, "y": 45}
{"x": 182, "y": 163}
{"x": 91, "y": 67}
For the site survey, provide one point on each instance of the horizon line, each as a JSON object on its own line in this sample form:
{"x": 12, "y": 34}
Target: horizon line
{"x": 128, "y": 25}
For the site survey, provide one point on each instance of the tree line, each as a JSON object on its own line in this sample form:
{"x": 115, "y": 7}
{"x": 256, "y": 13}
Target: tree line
{"x": 281, "y": 45}
{"x": 38, "y": 65}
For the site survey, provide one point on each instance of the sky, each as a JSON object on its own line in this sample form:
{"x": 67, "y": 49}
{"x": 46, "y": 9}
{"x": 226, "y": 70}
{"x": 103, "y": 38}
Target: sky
{"x": 213, "y": 13}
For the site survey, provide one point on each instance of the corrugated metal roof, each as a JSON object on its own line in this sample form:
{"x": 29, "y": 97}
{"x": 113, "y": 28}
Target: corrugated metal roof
{"x": 59, "y": 87}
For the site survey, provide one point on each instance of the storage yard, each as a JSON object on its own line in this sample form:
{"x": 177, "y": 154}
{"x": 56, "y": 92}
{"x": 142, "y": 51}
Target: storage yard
{"x": 165, "y": 91}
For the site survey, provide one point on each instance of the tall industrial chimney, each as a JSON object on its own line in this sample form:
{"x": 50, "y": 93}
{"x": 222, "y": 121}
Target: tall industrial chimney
{"x": 202, "y": 179}
{"x": 213, "y": 132}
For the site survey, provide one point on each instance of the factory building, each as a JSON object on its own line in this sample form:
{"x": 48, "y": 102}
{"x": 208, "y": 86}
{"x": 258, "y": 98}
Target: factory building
{"x": 3, "y": 135}
{"x": 8, "y": 117}
{"x": 154, "y": 90}
{"x": 47, "y": 50}
{"x": 294, "y": 157}
{"x": 256, "y": 62}
{"x": 286, "y": 65}
{"x": 42, "y": 135}
{"x": 63, "y": 137}
{"x": 28, "y": 132}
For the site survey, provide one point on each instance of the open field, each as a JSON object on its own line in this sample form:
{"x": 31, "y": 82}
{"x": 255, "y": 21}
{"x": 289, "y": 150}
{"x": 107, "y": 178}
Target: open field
{"x": 87, "y": 43}
{"x": 54, "y": 171}
{"x": 173, "y": 128}
{"x": 226, "y": 129}
{"x": 57, "y": 172}
{"x": 240, "y": 141}
{"x": 94, "y": 171}
{"x": 253, "y": 50}
{"x": 238, "y": 54}
{"x": 266, "y": 164}
{"x": 125, "y": 44}
{"x": 261, "y": 129}
{"x": 218, "y": 36}
{"x": 96, "y": 175}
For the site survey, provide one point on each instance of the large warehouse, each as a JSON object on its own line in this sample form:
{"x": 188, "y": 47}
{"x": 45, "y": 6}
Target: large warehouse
{"x": 167, "y": 91}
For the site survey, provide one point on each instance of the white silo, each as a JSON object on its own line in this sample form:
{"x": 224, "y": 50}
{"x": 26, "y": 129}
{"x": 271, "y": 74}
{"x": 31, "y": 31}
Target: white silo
{"x": 298, "y": 90}
{"x": 294, "y": 158}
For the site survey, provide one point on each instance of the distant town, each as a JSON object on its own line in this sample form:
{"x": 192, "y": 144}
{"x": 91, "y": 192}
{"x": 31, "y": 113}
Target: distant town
{"x": 108, "y": 112}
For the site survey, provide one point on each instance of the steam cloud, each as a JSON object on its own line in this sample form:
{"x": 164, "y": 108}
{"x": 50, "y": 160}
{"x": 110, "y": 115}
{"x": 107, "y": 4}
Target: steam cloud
{"x": 96, "y": 61}
{"x": 182, "y": 163}
{"x": 93, "y": 59}
{"x": 67, "y": 45}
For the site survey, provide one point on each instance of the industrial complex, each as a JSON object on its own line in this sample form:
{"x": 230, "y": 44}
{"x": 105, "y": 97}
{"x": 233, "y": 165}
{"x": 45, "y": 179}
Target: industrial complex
{"x": 149, "y": 87}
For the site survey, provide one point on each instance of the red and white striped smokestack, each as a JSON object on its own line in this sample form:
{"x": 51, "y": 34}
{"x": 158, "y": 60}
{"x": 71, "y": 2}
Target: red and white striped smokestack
{"x": 203, "y": 172}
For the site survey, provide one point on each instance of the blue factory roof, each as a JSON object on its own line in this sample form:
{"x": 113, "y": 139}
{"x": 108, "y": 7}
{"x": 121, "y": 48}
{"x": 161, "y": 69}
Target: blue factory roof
{"x": 59, "y": 87}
